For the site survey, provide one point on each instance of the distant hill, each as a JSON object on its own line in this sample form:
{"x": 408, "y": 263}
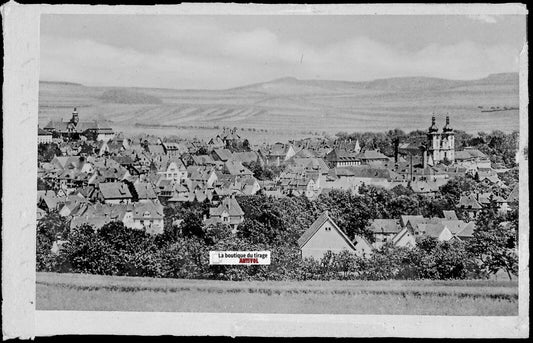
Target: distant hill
{"x": 299, "y": 105}
{"x": 60, "y": 83}
{"x": 128, "y": 96}
{"x": 293, "y": 86}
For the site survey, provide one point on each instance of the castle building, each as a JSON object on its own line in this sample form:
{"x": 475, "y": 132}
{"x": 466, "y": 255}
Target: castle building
{"x": 74, "y": 128}
{"x": 440, "y": 145}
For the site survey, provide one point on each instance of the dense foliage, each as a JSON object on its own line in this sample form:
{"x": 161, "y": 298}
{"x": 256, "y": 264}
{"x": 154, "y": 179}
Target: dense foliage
{"x": 276, "y": 224}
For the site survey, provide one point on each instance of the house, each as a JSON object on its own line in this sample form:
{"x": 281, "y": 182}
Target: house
{"x": 228, "y": 212}
{"x": 514, "y": 196}
{"x": 71, "y": 205}
{"x": 469, "y": 204}
{"x": 155, "y": 149}
{"x": 277, "y": 153}
{"x": 236, "y": 168}
{"x": 351, "y": 178}
{"x": 384, "y": 230}
{"x": 164, "y": 188}
{"x": 489, "y": 199}
{"x": 78, "y": 163}
{"x": 114, "y": 193}
{"x": 488, "y": 177}
{"x": 148, "y": 216}
{"x": 372, "y": 156}
{"x": 246, "y": 157}
{"x": 449, "y": 215}
{"x": 111, "y": 147}
{"x": 297, "y": 184}
{"x": 216, "y": 142}
{"x": 144, "y": 192}
{"x": 110, "y": 174}
{"x": 174, "y": 149}
{"x": 308, "y": 164}
{"x": 202, "y": 174}
{"x": 406, "y": 237}
{"x": 467, "y": 232}
{"x": 179, "y": 193}
{"x": 342, "y": 158}
{"x": 204, "y": 160}
{"x": 49, "y": 202}
{"x": 324, "y": 235}
{"x": 472, "y": 158}
{"x": 173, "y": 169}
{"x": 438, "y": 231}
{"x": 428, "y": 187}
{"x": 221, "y": 155}
{"x": 43, "y": 136}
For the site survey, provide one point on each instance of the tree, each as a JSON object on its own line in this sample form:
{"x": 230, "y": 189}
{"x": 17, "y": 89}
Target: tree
{"x": 451, "y": 260}
{"x": 454, "y": 188}
{"x": 50, "y": 228}
{"x": 494, "y": 244}
{"x": 246, "y": 145}
{"x": 192, "y": 225}
{"x": 47, "y": 151}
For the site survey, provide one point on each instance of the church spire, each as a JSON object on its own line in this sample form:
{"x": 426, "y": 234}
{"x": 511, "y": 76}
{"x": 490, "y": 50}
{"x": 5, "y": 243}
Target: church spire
{"x": 433, "y": 127}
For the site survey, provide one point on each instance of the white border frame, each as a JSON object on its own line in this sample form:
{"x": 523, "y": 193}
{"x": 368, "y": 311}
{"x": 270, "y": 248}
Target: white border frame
{"x": 20, "y": 100}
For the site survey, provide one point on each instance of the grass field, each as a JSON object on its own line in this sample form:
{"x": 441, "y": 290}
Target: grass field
{"x": 108, "y": 293}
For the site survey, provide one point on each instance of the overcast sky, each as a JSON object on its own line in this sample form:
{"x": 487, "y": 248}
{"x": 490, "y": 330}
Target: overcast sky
{"x": 213, "y": 52}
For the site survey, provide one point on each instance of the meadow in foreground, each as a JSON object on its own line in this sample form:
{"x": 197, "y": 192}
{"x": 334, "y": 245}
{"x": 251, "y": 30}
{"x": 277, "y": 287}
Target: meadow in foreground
{"x": 109, "y": 293}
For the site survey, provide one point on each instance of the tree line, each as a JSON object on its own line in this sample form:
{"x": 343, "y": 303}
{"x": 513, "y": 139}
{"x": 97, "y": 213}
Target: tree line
{"x": 182, "y": 251}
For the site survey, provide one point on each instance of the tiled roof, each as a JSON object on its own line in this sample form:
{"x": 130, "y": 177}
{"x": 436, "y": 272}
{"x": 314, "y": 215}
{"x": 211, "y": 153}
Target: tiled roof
{"x": 41, "y": 132}
{"x": 433, "y": 230}
{"x": 149, "y": 210}
{"x": 467, "y": 231}
{"x": 145, "y": 190}
{"x": 236, "y": 168}
{"x": 317, "y": 224}
{"x": 372, "y": 155}
{"x": 363, "y": 171}
{"x": 202, "y": 159}
{"x": 245, "y": 157}
{"x": 222, "y": 154}
{"x": 449, "y": 215}
{"x": 468, "y": 201}
{"x": 413, "y": 219}
{"x": 228, "y": 204}
{"x": 385, "y": 226}
{"x": 454, "y": 226}
{"x": 114, "y": 190}
{"x": 514, "y": 196}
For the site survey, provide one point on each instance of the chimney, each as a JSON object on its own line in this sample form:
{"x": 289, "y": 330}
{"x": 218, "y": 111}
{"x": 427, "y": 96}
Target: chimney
{"x": 396, "y": 149}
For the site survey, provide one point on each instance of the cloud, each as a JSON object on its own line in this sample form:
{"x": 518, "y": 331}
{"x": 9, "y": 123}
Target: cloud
{"x": 485, "y": 18}
{"x": 231, "y": 58}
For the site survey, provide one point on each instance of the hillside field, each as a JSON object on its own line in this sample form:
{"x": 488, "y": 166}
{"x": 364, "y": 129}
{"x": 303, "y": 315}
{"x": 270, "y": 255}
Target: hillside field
{"x": 291, "y": 108}
{"x": 117, "y": 293}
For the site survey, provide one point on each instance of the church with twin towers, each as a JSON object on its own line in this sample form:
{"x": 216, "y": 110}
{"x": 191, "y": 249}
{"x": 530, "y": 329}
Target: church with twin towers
{"x": 440, "y": 145}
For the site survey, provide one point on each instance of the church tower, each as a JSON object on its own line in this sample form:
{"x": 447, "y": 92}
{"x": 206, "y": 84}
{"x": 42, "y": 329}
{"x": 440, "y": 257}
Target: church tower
{"x": 448, "y": 142}
{"x": 433, "y": 144}
{"x": 75, "y": 118}
{"x": 440, "y": 146}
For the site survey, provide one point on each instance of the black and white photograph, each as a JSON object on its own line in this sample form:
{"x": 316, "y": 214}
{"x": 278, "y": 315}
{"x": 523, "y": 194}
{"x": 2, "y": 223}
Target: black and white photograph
{"x": 332, "y": 164}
